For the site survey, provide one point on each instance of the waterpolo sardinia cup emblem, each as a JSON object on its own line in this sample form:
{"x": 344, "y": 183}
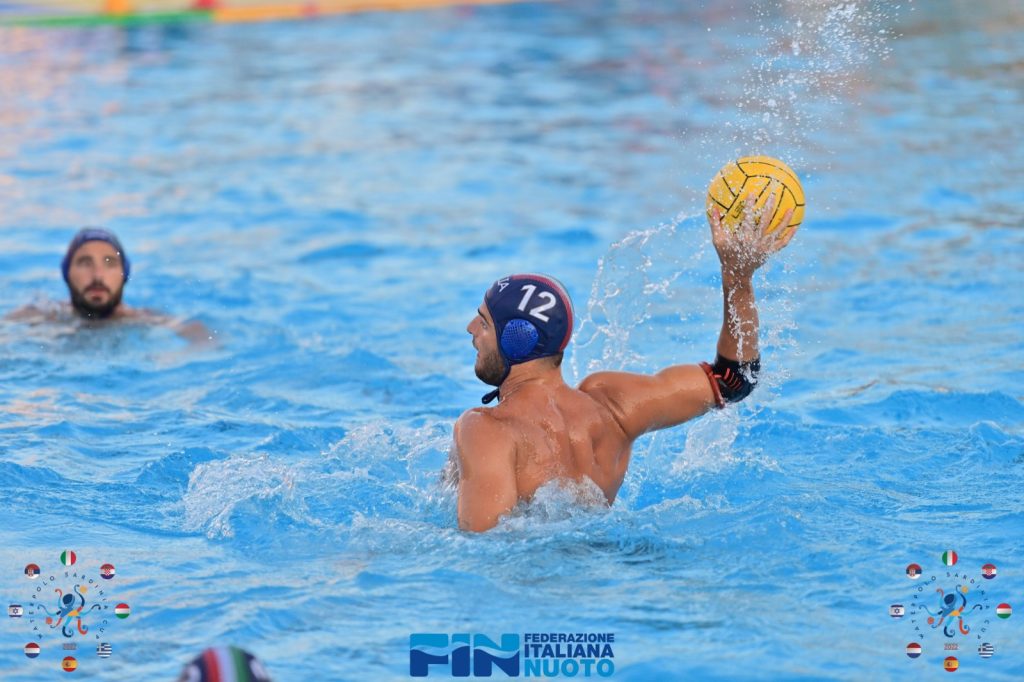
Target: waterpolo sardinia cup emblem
{"x": 67, "y": 610}
{"x": 950, "y": 612}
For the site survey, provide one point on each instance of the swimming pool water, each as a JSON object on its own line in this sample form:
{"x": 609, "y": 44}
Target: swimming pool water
{"x": 332, "y": 197}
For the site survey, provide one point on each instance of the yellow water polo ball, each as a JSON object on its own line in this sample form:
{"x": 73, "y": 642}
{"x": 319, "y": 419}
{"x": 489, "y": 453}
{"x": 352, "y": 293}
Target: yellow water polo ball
{"x": 760, "y": 175}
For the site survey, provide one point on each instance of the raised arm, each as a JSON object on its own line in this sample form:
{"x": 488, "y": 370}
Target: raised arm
{"x": 674, "y": 395}
{"x": 486, "y": 455}
{"x": 741, "y": 252}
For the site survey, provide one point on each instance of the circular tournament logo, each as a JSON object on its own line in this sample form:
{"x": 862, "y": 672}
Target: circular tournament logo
{"x": 68, "y": 609}
{"x": 950, "y": 612}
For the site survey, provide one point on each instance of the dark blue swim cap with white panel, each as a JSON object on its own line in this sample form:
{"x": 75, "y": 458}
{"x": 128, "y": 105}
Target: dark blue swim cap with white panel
{"x": 533, "y": 319}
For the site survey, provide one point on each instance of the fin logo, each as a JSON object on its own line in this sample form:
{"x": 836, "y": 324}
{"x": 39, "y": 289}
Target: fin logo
{"x": 455, "y": 653}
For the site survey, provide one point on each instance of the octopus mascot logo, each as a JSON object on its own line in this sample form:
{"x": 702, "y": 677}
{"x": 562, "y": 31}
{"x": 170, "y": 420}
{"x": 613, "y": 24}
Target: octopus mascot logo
{"x": 68, "y": 609}
{"x": 950, "y": 611}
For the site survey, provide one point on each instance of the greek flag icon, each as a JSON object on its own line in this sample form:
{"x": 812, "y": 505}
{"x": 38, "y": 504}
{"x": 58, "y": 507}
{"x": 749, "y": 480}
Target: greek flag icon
{"x": 103, "y": 650}
{"x": 986, "y": 650}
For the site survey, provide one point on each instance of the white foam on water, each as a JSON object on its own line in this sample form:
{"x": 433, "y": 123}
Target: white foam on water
{"x": 385, "y": 470}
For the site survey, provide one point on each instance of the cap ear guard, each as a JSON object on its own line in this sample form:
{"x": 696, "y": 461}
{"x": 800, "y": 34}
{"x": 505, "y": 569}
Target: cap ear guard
{"x": 518, "y": 339}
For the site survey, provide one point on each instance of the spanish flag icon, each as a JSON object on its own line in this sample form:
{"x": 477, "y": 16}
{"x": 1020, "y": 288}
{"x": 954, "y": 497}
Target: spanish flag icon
{"x": 69, "y": 664}
{"x": 951, "y": 664}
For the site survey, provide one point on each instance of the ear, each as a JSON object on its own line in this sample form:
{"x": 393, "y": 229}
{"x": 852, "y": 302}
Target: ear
{"x": 518, "y": 339}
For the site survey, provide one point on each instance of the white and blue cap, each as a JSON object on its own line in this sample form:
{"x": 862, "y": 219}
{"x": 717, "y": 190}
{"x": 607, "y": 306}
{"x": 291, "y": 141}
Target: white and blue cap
{"x": 532, "y": 316}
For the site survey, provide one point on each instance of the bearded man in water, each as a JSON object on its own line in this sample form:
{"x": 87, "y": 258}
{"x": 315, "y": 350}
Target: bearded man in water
{"x": 543, "y": 429}
{"x": 96, "y": 269}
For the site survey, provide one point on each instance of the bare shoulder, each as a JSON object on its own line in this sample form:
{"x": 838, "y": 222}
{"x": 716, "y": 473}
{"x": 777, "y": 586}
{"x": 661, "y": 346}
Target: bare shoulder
{"x": 647, "y": 402}
{"x": 35, "y": 313}
{"x": 612, "y": 390}
{"x": 479, "y": 427}
{"x": 142, "y": 315}
{"x": 486, "y": 453}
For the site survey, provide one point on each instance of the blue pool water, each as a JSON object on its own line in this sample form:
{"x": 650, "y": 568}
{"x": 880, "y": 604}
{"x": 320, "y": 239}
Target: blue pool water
{"x": 332, "y": 198}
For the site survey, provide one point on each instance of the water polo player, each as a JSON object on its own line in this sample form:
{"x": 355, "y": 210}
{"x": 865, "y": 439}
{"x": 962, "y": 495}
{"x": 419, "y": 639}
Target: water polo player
{"x": 96, "y": 270}
{"x": 542, "y": 429}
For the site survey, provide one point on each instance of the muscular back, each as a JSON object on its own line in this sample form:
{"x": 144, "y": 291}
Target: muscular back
{"x": 564, "y": 433}
{"x": 545, "y": 430}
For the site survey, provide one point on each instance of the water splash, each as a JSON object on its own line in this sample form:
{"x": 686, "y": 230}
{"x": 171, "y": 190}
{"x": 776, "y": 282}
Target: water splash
{"x": 808, "y": 57}
{"x": 377, "y": 470}
{"x": 663, "y": 284}
{"x": 639, "y": 279}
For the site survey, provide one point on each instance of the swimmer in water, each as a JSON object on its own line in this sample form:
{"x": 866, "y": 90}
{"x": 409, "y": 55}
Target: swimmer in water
{"x": 544, "y": 430}
{"x": 96, "y": 269}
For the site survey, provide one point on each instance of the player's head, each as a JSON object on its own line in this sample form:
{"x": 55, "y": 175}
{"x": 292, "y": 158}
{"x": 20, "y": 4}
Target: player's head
{"x": 524, "y": 317}
{"x": 95, "y": 269}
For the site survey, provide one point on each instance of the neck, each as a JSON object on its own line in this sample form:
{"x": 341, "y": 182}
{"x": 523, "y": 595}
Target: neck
{"x": 539, "y": 373}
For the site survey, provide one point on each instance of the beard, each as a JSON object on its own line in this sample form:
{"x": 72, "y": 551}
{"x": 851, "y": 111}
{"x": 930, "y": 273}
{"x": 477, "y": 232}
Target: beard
{"x": 93, "y": 310}
{"x": 490, "y": 368}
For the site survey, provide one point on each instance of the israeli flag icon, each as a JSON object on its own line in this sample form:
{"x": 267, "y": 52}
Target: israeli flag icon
{"x": 896, "y": 610}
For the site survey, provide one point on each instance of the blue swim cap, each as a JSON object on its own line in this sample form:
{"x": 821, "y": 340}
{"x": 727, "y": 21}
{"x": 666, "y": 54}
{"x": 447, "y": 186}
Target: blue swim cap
{"x": 532, "y": 317}
{"x": 94, "y": 234}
